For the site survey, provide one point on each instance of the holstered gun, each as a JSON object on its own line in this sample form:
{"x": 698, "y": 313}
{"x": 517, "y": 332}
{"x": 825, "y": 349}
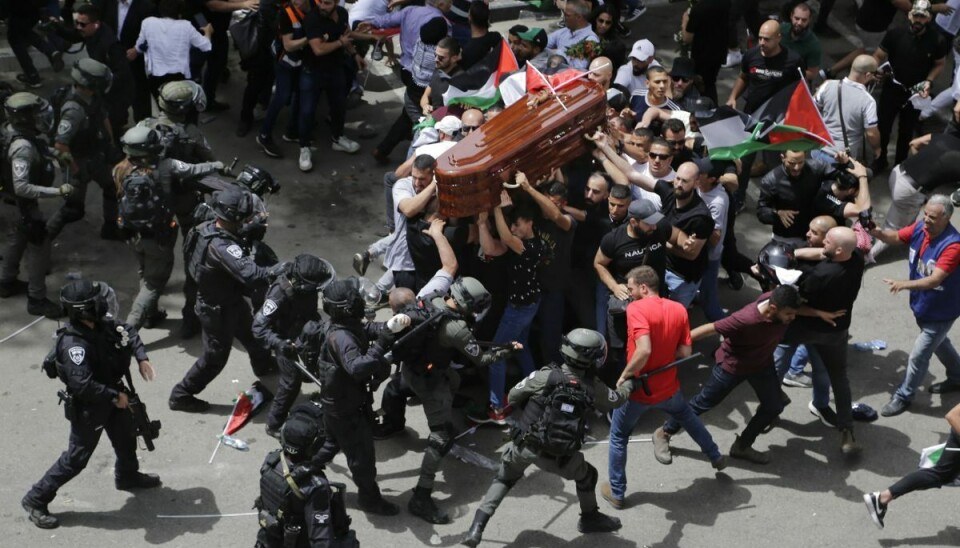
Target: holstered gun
{"x": 69, "y": 405}
{"x": 143, "y": 427}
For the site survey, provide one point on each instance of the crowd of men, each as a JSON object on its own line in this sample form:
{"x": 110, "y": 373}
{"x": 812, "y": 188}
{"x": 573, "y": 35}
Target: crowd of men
{"x": 582, "y": 280}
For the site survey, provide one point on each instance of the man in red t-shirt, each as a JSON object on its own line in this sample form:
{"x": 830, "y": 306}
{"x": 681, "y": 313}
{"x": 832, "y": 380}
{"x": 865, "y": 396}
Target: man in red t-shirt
{"x": 750, "y": 335}
{"x": 934, "y": 297}
{"x": 658, "y": 332}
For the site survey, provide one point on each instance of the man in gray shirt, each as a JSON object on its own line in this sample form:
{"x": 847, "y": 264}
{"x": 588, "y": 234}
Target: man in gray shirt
{"x": 859, "y": 111}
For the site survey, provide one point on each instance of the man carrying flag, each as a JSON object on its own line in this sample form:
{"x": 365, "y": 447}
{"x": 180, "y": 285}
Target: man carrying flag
{"x": 478, "y": 87}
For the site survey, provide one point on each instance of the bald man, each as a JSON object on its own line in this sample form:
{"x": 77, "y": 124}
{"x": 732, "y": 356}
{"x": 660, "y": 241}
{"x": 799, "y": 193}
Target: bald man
{"x": 829, "y": 289}
{"x": 471, "y": 119}
{"x": 859, "y": 111}
{"x": 766, "y": 69}
{"x": 601, "y": 72}
{"x": 818, "y": 228}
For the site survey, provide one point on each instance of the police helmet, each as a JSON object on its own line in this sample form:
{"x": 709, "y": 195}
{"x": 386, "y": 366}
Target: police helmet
{"x": 258, "y": 180}
{"x": 92, "y": 74}
{"x": 583, "y": 348}
{"x": 28, "y": 112}
{"x": 342, "y": 299}
{"x": 299, "y": 437}
{"x": 311, "y": 273}
{"x": 181, "y": 97}
{"x": 142, "y": 142}
{"x": 473, "y": 300}
{"x": 83, "y": 300}
{"x": 232, "y": 205}
{"x": 775, "y": 254}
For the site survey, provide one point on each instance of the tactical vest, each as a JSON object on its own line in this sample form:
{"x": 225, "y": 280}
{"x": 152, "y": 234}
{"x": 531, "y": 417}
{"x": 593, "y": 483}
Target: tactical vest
{"x": 422, "y": 353}
{"x": 196, "y": 246}
{"x": 554, "y": 421}
{"x": 42, "y": 169}
{"x": 280, "y": 502}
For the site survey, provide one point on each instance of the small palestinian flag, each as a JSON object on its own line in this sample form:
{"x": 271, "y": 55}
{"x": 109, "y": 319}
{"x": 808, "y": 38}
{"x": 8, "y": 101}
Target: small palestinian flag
{"x": 519, "y": 84}
{"x": 477, "y": 87}
{"x": 787, "y": 121}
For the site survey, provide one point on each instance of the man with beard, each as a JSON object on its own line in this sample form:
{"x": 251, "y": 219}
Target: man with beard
{"x": 916, "y": 55}
{"x": 633, "y": 76}
{"x": 798, "y": 37}
{"x": 447, "y": 57}
{"x": 788, "y": 195}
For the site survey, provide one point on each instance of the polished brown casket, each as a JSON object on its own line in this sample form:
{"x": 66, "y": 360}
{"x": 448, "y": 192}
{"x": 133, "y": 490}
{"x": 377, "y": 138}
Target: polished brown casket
{"x": 535, "y": 140}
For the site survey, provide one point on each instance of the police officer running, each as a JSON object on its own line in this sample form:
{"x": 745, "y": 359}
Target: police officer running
{"x": 147, "y": 183}
{"x": 92, "y": 355}
{"x": 27, "y": 176}
{"x": 551, "y": 429}
{"x": 291, "y": 301}
{"x": 83, "y": 141}
{"x": 224, "y": 273}
{"x": 351, "y": 366}
{"x": 297, "y": 506}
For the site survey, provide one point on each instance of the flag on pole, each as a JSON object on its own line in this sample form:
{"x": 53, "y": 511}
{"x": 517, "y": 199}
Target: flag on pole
{"x": 248, "y": 402}
{"x": 478, "y": 86}
{"x": 787, "y": 121}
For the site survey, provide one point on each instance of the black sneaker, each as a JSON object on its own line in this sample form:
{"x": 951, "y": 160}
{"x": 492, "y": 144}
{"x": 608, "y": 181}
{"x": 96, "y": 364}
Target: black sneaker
{"x": 244, "y": 127}
{"x": 826, "y": 415}
{"x": 380, "y": 508}
{"x": 137, "y": 480}
{"x": 360, "y": 262}
{"x": 156, "y": 319}
{"x": 876, "y": 510}
{"x": 269, "y": 147}
{"x": 747, "y": 453}
{"x": 598, "y": 522}
{"x": 32, "y": 81}
{"x": 56, "y": 61}
{"x": 13, "y": 288}
{"x": 273, "y": 432}
{"x": 422, "y": 506}
{"x": 188, "y": 404}
{"x": 735, "y": 281}
{"x": 39, "y": 515}
{"x": 44, "y": 307}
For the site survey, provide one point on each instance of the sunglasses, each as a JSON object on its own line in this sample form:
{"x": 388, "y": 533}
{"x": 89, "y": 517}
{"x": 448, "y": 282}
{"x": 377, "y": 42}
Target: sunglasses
{"x": 677, "y": 143}
{"x": 468, "y": 129}
{"x": 680, "y": 78}
{"x": 656, "y": 156}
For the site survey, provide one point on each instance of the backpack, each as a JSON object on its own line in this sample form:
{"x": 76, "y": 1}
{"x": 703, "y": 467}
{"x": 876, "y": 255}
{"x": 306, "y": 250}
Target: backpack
{"x": 144, "y": 206}
{"x": 560, "y": 423}
{"x": 193, "y": 253}
{"x": 312, "y": 343}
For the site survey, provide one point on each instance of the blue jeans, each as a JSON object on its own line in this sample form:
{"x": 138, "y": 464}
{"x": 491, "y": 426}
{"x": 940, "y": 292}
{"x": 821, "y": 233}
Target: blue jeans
{"x": 933, "y": 339}
{"x": 625, "y": 419}
{"x": 514, "y": 326}
{"x": 550, "y": 321}
{"x": 709, "y": 297}
{"x": 787, "y": 354}
{"x": 799, "y": 361}
{"x": 287, "y": 81}
{"x": 681, "y": 290}
{"x": 765, "y": 384}
{"x": 309, "y": 94}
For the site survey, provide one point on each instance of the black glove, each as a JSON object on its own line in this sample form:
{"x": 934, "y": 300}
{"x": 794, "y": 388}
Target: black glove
{"x": 278, "y": 269}
{"x": 289, "y": 350}
{"x": 385, "y": 340}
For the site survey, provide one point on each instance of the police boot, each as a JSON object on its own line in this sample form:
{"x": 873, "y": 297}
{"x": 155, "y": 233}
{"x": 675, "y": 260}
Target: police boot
{"x": 381, "y": 507}
{"x": 189, "y": 327}
{"x": 597, "y": 522}
{"x": 39, "y": 515}
{"x": 422, "y": 506}
{"x": 44, "y": 307}
{"x": 136, "y": 480}
{"x": 475, "y": 534}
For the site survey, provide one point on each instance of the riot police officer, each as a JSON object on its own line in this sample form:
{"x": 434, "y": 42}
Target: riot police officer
{"x": 350, "y": 367}
{"x": 297, "y": 506}
{"x": 224, "y": 273}
{"x": 538, "y": 438}
{"x": 28, "y": 174}
{"x": 83, "y": 142}
{"x": 92, "y": 355}
{"x": 425, "y": 352}
{"x": 146, "y": 182}
{"x": 291, "y": 301}
{"x": 259, "y": 182}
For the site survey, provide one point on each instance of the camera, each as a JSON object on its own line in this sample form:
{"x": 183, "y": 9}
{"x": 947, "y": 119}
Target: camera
{"x": 865, "y": 218}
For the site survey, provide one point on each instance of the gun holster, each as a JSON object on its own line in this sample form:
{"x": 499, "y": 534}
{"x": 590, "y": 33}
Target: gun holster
{"x": 69, "y": 405}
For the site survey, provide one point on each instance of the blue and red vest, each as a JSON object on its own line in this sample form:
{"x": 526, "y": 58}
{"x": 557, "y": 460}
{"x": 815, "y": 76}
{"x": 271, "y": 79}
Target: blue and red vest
{"x": 943, "y": 303}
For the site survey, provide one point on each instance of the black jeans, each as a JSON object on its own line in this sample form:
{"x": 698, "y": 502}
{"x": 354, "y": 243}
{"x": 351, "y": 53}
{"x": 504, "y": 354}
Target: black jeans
{"x": 766, "y": 384}
{"x": 946, "y": 470}
{"x": 895, "y": 101}
{"x": 353, "y": 435}
{"x": 259, "y": 81}
{"x": 21, "y": 36}
{"x": 217, "y": 61}
{"x": 402, "y": 128}
{"x": 750, "y": 11}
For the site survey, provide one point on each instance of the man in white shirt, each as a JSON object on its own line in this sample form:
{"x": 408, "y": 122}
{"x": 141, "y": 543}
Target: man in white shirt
{"x": 632, "y": 76}
{"x": 412, "y": 195}
{"x": 448, "y": 130}
{"x": 568, "y": 41}
{"x": 165, "y": 43}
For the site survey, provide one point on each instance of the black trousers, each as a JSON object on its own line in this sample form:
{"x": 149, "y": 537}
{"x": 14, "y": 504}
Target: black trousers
{"x": 353, "y": 435}
{"x": 91, "y": 169}
{"x": 402, "y": 128}
{"x": 288, "y": 389}
{"x": 141, "y": 91}
{"x": 749, "y": 10}
{"x": 393, "y": 403}
{"x": 84, "y": 436}
{"x": 894, "y": 102}
{"x": 946, "y": 470}
{"x": 21, "y": 36}
{"x": 220, "y": 325}
{"x": 217, "y": 61}
{"x": 259, "y": 82}
{"x": 731, "y": 259}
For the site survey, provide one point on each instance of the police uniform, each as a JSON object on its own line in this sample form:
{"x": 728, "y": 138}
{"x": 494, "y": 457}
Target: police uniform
{"x": 83, "y": 129}
{"x": 280, "y": 320}
{"x": 355, "y": 364}
{"x": 31, "y": 175}
{"x": 224, "y": 273}
{"x": 154, "y": 248}
{"x": 92, "y": 362}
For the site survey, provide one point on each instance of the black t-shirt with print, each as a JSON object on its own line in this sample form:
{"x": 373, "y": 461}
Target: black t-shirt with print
{"x": 768, "y": 75}
{"x": 626, "y": 253}
{"x": 826, "y": 203}
{"x": 555, "y": 268}
{"x": 694, "y": 220}
{"x": 327, "y": 30}
{"x": 524, "y": 284}
{"x": 831, "y": 286}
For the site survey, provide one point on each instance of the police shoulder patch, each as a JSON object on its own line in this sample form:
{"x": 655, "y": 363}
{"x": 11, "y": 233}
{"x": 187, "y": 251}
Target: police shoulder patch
{"x": 235, "y": 251}
{"x": 77, "y": 353}
{"x": 64, "y": 127}
{"x": 20, "y": 167}
{"x": 269, "y": 307}
{"x": 472, "y": 349}
{"x": 321, "y": 517}
{"x": 611, "y": 395}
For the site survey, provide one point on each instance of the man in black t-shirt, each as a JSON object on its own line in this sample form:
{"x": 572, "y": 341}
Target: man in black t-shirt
{"x": 845, "y": 197}
{"x": 705, "y": 28}
{"x": 829, "y": 290}
{"x": 766, "y": 69}
{"x": 917, "y": 56}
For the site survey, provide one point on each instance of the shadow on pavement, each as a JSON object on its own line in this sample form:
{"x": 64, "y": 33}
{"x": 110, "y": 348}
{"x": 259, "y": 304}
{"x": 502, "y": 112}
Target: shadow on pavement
{"x": 948, "y": 537}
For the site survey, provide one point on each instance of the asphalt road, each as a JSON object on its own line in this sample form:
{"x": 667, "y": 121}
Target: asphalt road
{"x": 808, "y": 496}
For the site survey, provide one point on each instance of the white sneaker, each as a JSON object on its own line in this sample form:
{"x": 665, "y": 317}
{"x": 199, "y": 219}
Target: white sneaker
{"x": 345, "y": 145}
{"x": 306, "y": 162}
{"x": 734, "y": 58}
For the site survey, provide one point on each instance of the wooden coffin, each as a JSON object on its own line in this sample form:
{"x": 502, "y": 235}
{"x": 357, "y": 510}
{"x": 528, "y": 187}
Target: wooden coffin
{"x": 536, "y": 140}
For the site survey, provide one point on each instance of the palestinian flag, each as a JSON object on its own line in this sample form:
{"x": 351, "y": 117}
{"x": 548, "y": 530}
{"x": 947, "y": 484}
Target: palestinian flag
{"x": 247, "y": 405}
{"x": 517, "y": 85}
{"x": 478, "y": 86}
{"x": 787, "y": 121}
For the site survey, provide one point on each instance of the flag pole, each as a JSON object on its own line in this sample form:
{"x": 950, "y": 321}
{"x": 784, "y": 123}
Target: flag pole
{"x": 224, "y": 433}
{"x": 579, "y": 76}
{"x": 551, "y": 88}
{"x": 819, "y": 114}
